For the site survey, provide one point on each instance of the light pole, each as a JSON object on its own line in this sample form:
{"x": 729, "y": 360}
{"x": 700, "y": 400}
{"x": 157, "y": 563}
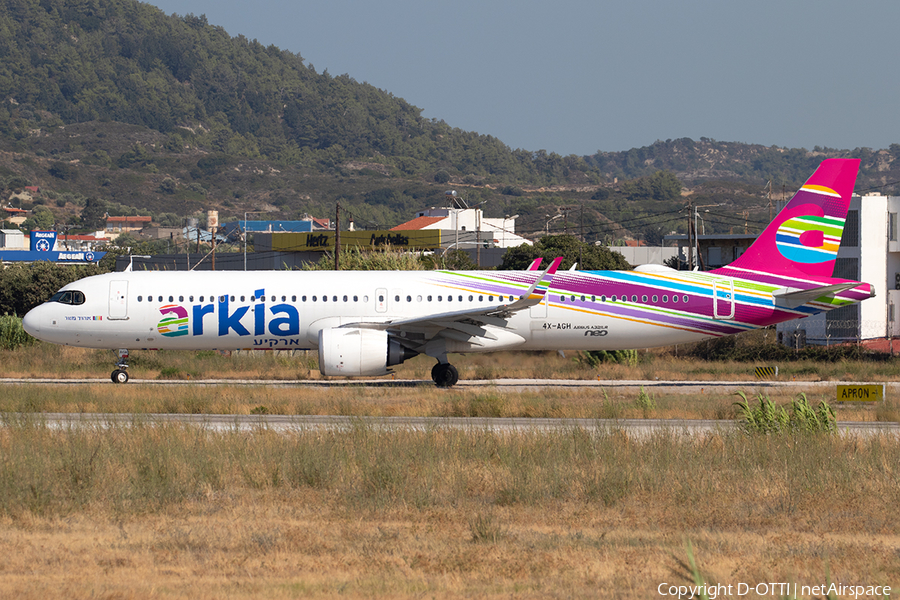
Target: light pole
{"x": 696, "y": 231}
{"x": 252, "y": 212}
{"x": 550, "y": 221}
{"x": 505, "y": 219}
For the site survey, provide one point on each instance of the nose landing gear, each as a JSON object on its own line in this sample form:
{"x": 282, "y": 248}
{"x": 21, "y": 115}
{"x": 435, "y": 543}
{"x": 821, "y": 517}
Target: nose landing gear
{"x": 120, "y": 375}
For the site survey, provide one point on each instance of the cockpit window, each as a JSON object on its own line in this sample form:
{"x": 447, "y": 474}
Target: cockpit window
{"x": 68, "y": 297}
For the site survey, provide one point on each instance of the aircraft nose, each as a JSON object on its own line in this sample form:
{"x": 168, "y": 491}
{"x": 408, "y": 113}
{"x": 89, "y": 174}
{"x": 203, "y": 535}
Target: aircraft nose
{"x": 30, "y": 322}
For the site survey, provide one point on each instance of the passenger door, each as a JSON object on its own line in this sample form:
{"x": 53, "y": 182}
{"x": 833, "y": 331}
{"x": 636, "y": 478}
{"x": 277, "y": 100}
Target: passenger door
{"x": 118, "y": 300}
{"x": 723, "y": 299}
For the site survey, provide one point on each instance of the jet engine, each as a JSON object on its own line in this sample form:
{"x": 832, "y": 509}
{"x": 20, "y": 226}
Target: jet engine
{"x": 359, "y": 352}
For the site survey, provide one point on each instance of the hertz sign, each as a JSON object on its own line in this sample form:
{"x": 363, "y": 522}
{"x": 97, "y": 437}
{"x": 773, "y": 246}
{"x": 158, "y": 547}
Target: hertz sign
{"x": 324, "y": 240}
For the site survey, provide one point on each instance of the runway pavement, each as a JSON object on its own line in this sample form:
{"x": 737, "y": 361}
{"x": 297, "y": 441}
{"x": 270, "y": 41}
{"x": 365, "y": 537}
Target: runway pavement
{"x": 658, "y": 386}
{"x": 287, "y": 424}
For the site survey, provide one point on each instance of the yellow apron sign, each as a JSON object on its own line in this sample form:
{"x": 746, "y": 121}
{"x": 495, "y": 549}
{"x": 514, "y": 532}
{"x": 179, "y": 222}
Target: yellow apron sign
{"x": 324, "y": 240}
{"x": 860, "y": 393}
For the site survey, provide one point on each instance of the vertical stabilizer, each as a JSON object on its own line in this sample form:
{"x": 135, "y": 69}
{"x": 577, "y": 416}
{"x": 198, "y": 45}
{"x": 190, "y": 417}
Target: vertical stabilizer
{"x": 803, "y": 239}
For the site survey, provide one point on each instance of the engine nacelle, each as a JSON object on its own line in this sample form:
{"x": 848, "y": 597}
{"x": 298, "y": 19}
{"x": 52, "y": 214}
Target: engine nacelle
{"x": 359, "y": 352}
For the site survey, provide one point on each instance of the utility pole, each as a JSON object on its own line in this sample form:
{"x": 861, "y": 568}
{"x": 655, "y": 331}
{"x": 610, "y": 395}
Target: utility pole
{"x": 478, "y": 238}
{"x": 581, "y": 218}
{"x": 337, "y": 237}
{"x": 690, "y": 237}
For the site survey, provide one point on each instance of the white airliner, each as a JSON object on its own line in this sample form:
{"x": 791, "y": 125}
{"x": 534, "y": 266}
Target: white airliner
{"x": 363, "y": 323}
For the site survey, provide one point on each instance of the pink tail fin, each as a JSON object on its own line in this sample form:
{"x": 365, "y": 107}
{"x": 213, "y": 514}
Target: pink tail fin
{"x": 803, "y": 239}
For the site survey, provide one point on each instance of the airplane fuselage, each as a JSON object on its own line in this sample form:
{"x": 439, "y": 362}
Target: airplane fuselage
{"x": 596, "y": 310}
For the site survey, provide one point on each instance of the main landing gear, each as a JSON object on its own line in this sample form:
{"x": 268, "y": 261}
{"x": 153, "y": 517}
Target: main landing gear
{"x": 120, "y": 375}
{"x": 444, "y": 375}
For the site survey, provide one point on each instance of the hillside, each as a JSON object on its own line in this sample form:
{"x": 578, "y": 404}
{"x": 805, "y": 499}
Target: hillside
{"x": 113, "y": 105}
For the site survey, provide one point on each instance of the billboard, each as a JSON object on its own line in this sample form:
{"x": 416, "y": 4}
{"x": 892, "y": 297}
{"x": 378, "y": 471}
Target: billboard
{"x": 43, "y": 241}
{"x": 324, "y": 240}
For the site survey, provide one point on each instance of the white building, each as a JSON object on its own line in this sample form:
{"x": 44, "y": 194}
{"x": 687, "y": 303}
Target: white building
{"x": 463, "y": 227}
{"x": 12, "y": 239}
{"x": 869, "y": 252}
{"x": 645, "y": 255}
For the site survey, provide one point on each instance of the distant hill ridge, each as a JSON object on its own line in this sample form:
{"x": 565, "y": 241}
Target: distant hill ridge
{"x": 706, "y": 159}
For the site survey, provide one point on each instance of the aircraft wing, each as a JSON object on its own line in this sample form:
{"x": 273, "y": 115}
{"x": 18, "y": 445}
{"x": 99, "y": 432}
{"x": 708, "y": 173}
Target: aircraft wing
{"x": 464, "y": 325}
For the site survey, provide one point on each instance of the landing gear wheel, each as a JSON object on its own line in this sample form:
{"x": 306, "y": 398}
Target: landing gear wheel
{"x": 119, "y": 376}
{"x": 444, "y": 375}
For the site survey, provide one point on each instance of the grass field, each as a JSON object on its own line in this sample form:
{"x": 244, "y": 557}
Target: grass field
{"x": 425, "y": 400}
{"x": 171, "y": 512}
{"x": 49, "y": 360}
{"x": 166, "y": 511}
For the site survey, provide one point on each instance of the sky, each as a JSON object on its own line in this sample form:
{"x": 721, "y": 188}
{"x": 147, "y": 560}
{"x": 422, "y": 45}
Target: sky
{"x": 581, "y": 76}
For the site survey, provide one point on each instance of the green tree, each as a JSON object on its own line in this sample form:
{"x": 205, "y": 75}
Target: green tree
{"x": 94, "y": 213}
{"x": 588, "y": 256}
{"x": 41, "y": 219}
{"x": 451, "y": 260}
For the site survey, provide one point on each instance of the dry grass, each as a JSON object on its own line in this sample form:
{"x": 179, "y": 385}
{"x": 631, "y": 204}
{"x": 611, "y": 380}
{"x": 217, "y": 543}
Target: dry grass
{"x": 49, "y": 360}
{"x": 179, "y": 512}
{"x": 425, "y": 400}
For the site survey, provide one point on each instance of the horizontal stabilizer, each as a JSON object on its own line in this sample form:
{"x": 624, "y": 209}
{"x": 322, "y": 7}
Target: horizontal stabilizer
{"x": 792, "y": 297}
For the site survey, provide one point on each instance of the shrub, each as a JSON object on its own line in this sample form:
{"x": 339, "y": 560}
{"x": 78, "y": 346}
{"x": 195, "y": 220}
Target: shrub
{"x": 595, "y": 358}
{"x": 12, "y": 334}
{"x": 769, "y": 418}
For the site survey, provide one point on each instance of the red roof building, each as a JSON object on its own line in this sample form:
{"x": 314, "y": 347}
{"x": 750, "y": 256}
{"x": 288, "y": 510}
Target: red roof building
{"x": 418, "y": 223}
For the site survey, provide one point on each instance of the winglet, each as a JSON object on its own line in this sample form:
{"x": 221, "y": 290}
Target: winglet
{"x": 539, "y": 288}
{"x": 535, "y": 264}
